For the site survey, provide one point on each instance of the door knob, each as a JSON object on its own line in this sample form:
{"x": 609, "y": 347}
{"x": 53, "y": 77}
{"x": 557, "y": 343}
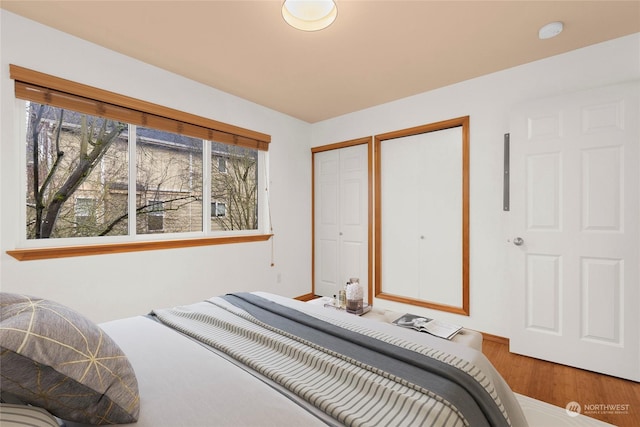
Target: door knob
{"x": 518, "y": 241}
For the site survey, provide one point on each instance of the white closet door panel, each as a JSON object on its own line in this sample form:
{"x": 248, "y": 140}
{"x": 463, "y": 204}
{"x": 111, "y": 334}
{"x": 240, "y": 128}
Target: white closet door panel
{"x": 326, "y": 217}
{"x": 327, "y": 265}
{"x": 422, "y": 251}
{"x": 354, "y": 214}
{"x": 341, "y": 220}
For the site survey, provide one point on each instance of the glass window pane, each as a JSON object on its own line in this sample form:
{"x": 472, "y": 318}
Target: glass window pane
{"x": 221, "y": 209}
{"x": 77, "y": 173}
{"x": 169, "y": 182}
{"x": 234, "y": 189}
{"x": 155, "y": 217}
{"x": 218, "y": 209}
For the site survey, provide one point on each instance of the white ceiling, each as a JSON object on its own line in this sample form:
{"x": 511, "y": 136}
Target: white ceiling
{"x": 375, "y": 52}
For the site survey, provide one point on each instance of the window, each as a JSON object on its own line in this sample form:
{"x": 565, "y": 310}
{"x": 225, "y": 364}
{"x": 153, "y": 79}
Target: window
{"x": 155, "y": 216}
{"x": 100, "y": 164}
{"x": 85, "y": 215}
{"x": 218, "y": 209}
{"x": 168, "y": 168}
{"x": 237, "y": 188}
{"x": 222, "y": 164}
{"x": 84, "y": 209}
{"x": 74, "y": 158}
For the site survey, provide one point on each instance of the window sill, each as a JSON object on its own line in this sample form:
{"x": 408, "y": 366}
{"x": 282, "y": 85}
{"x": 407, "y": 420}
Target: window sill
{"x": 74, "y": 251}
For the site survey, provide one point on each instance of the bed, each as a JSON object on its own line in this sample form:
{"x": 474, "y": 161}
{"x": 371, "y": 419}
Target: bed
{"x": 258, "y": 359}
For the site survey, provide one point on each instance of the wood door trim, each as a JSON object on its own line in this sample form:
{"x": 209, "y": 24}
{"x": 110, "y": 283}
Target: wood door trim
{"x": 336, "y": 146}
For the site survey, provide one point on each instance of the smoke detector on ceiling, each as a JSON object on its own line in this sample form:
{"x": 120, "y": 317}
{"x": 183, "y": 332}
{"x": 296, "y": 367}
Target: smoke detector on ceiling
{"x": 550, "y": 30}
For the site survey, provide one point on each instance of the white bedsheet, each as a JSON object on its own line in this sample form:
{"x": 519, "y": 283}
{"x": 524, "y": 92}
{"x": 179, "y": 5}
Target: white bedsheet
{"x": 182, "y": 383}
{"x": 542, "y": 414}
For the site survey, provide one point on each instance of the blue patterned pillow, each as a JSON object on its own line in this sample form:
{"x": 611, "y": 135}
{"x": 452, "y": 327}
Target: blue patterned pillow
{"x": 54, "y": 358}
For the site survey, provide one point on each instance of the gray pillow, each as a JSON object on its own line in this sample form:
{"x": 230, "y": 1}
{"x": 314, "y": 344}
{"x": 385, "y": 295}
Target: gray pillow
{"x": 54, "y": 358}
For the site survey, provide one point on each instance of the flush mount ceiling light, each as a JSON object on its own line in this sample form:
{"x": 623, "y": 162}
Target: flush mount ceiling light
{"x": 550, "y": 30}
{"x": 309, "y": 15}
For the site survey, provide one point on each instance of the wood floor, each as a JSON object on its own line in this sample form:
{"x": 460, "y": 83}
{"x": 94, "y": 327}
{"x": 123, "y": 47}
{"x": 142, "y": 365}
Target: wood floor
{"x": 559, "y": 385}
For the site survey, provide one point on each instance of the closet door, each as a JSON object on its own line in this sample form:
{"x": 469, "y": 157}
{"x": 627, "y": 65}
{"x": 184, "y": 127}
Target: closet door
{"x": 341, "y": 219}
{"x": 421, "y": 236}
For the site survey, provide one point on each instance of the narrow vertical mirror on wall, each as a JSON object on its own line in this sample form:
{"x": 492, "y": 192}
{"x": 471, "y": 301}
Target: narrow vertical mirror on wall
{"x": 422, "y": 215}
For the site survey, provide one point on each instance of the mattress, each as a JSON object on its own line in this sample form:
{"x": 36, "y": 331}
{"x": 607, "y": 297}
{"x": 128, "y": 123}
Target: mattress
{"x": 182, "y": 382}
{"x": 467, "y": 337}
{"x": 542, "y": 414}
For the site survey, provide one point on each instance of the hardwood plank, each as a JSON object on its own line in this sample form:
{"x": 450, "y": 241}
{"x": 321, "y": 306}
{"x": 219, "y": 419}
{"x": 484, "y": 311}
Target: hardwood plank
{"x": 559, "y": 384}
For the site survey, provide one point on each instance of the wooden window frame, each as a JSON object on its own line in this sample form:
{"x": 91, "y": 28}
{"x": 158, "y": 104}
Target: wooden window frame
{"x": 115, "y": 248}
{"x": 46, "y": 89}
{"x": 43, "y": 88}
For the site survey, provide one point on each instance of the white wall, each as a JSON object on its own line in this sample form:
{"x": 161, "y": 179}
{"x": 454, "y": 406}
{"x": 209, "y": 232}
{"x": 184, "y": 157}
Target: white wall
{"x": 112, "y": 286}
{"x": 488, "y": 101}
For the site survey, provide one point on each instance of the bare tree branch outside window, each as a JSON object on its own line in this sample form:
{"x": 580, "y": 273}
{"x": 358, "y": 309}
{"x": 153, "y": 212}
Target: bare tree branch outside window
{"x": 236, "y": 187}
{"x": 78, "y": 179}
{"x": 66, "y": 149}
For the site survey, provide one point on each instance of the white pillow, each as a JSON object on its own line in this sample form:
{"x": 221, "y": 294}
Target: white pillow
{"x": 22, "y": 415}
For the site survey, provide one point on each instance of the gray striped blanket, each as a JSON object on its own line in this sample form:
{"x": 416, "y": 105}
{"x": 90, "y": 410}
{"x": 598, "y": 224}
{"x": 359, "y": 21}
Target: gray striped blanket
{"x": 355, "y": 378}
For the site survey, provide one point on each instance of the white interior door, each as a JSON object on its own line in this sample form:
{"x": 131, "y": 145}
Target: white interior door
{"x": 341, "y": 219}
{"x": 574, "y": 247}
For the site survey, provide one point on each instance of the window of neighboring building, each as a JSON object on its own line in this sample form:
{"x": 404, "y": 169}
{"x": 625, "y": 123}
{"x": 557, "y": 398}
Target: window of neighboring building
{"x": 218, "y": 209}
{"x": 84, "y": 209}
{"x": 85, "y": 215}
{"x": 155, "y": 216}
{"x": 168, "y": 168}
{"x": 222, "y": 164}
{"x": 236, "y": 188}
{"x": 99, "y": 167}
